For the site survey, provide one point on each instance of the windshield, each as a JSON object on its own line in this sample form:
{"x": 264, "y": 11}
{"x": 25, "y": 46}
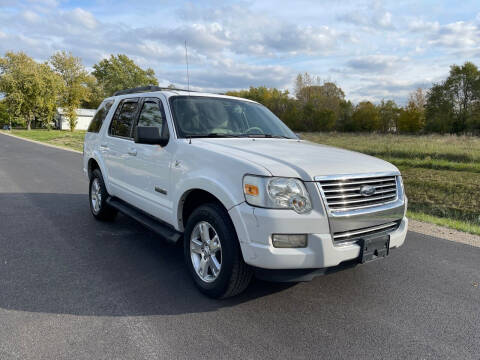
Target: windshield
{"x": 197, "y": 116}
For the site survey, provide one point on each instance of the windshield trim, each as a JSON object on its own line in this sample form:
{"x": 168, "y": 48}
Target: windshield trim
{"x": 175, "y": 124}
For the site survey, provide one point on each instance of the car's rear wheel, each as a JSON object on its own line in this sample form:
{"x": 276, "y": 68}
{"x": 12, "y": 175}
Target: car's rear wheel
{"x": 98, "y": 196}
{"x": 212, "y": 253}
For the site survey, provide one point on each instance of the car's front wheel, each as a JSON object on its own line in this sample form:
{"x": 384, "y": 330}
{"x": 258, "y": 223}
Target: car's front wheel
{"x": 212, "y": 253}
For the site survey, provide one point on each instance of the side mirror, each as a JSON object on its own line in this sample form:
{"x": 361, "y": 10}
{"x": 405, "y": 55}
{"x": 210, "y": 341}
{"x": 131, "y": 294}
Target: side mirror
{"x": 150, "y": 135}
{"x": 299, "y": 136}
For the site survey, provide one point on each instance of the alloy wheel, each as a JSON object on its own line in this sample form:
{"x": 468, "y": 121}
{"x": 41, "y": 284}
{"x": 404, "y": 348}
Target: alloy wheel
{"x": 206, "y": 252}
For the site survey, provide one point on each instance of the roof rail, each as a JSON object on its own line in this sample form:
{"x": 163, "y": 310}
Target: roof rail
{"x": 149, "y": 88}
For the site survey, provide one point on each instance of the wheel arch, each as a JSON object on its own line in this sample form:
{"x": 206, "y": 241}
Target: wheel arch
{"x": 95, "y": 162}
{"x": 92, "y": 165}
{"x": 191, "y": 199}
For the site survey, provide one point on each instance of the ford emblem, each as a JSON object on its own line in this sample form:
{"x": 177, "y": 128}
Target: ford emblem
{"x": 367, "y": 190}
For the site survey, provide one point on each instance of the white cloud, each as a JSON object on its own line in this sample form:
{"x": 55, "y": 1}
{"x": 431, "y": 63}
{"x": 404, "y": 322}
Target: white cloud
{"x": 459, "y": 34}
{"x": 82, "y": 17}
{"x": 419, "y": 25}
{"x": 30, "y": 16}
{"x": 376, "y": 63}
{"x": 372, "y": 49}
{"x": 385, "y": 20}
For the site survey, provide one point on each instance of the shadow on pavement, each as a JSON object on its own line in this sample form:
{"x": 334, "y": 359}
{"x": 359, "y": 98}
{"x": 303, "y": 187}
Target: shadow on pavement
{"x": 55, "y": 258}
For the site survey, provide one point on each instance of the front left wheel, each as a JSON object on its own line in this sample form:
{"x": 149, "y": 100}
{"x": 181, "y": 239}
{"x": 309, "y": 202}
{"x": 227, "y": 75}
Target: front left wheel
{"x": 213, "y": 254}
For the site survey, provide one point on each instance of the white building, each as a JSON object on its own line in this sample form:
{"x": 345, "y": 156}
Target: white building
{"x": 84, "y": 116}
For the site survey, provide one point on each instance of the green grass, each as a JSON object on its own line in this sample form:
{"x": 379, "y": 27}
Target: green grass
{"x": 66, "y": 139}
{"x": 441, "y": 173}
{"x": 443, "y": 152}
{"x": 450, "y": 223}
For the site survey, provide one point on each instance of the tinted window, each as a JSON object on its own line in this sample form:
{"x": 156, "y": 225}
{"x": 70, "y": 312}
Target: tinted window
{"x": 100, "y": 116}
{"x": 151, "y": 115}
{"x": 122, "y": 122}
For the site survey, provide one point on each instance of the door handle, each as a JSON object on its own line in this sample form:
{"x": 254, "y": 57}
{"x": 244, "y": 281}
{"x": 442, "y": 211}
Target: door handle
{"x": 103, "y": 147}
{"x": 132, "y": 152}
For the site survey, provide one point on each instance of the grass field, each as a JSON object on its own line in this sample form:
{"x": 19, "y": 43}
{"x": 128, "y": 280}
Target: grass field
{"x": 67, "y": 139}
{"x": 441, "y": 173}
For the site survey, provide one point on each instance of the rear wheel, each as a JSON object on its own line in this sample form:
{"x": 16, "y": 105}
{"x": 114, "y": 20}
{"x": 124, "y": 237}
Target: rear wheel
{"x": 212, "y": 253}
{"x": 98, "y": 198}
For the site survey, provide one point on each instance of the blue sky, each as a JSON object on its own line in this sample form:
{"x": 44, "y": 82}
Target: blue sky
{"x": 372, "y": 49}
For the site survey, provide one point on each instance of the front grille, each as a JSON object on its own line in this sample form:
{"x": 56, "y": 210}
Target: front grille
{"x": 343, "y": 194}
{"x": 354, "y": 235}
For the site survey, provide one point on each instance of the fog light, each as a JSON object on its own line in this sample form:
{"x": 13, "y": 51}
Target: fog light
{"x": 289, "y": 240}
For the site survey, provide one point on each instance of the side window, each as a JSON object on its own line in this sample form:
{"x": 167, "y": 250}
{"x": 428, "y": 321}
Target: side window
{"x": 100, "y": 116}
{"x": 123, "y": 120}
{"x": 151, "y": 115}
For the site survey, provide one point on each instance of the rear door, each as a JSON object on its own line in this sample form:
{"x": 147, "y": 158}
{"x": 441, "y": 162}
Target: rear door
{"x": 151, "y": 165}
{"x": 119, "y": 149}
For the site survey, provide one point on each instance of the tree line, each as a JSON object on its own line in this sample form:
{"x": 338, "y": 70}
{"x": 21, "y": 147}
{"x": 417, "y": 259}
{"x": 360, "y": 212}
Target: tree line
{"x": 450, "y": 106}
{"x": 33, "y": 90}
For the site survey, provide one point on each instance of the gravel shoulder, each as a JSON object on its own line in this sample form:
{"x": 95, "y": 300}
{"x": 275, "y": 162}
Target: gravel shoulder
{"x": 443, "y": 233}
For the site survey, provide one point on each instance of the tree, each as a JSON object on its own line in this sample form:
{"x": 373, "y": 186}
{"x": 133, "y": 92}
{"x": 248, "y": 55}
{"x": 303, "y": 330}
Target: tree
{"x": 278, "y": 101}
{"x": 453, "y": 105}
{"x": 365, "y": 117}
{"x": 324, "y": 96}
{"x": 410, "y": 120}
{"x": 31, "y": 89}
{"x": 120, "y": 72}
{"x": 4, "y": 118}
{"x": 53, "y": 90}
{"x": 344, "y": 121}
{"x": 463, "y": 86}
{"x": 439, "y": 110}
{"x": 412, "y": 117}
{"x": 75, "y": 90}
{"x": 303, "y": 86}
{"x": 388, "y": 113}
{"x": 96, "y": 94}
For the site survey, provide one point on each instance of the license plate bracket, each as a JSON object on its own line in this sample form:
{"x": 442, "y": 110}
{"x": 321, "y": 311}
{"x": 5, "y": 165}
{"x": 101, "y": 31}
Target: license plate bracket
{"x": 374, "y": 248}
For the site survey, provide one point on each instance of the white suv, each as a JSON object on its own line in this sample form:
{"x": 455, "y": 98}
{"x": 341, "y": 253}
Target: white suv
{"x": 242, "y": 192}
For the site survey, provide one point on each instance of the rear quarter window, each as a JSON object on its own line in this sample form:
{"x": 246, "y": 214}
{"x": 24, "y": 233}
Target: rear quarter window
{"x": 100, "y": 116}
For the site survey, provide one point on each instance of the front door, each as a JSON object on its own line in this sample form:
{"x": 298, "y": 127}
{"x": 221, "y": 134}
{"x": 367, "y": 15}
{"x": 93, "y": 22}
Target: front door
{"x": 151, "y": 165}
{"x": 118, "y": 149}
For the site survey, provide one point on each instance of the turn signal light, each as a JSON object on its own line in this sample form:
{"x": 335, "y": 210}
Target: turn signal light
{"x": 251, "y": 190}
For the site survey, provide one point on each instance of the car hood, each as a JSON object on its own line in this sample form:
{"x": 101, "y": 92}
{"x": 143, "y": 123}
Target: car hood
{"x": 297, "y": 158}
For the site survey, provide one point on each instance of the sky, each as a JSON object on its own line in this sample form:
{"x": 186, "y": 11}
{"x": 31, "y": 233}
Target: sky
{"x": 373, "y": 50}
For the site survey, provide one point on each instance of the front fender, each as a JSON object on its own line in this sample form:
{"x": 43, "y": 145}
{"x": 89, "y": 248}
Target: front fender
{"x": 218, "y": 189}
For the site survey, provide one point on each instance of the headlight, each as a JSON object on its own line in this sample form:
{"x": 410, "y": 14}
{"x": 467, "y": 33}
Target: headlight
{"x": 277, "y": 193}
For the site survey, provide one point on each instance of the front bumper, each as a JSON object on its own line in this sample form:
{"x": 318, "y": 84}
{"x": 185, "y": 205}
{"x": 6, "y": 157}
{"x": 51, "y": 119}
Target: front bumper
{"x": 255, "y": 227}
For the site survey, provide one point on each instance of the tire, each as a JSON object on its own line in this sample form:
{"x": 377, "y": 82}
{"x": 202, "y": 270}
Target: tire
{"x": 98, "y": 196}
{"x": 234, "y": 274}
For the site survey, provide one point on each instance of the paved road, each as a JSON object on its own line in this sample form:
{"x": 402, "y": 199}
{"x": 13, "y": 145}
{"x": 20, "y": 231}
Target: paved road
{"x": 71, "y": 287}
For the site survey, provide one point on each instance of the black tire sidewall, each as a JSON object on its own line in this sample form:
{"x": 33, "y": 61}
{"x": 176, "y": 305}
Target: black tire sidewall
{"x": 103, "y": 205}
{"x": 217, "y": 217}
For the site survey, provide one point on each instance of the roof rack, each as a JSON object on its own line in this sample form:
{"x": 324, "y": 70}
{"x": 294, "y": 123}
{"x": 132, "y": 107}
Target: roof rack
{"x": 150, "y": 88}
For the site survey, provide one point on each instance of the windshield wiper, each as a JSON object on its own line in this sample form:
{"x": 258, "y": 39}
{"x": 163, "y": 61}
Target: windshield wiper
{"x": 213, "y": 135}
{"x": 277, "y": 136}
{"x": 222, "y": 135}
{"x": 267, "y": 136}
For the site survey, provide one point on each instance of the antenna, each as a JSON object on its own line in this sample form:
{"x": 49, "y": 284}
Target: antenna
{"x": 186, "y": 61}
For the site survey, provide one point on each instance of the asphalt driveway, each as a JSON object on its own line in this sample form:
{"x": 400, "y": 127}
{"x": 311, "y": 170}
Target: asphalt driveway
{"x": 72, "y": 287}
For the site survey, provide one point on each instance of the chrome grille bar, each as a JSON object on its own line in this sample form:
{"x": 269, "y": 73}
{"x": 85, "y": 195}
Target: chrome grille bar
{"x": 354, "y": 235}
{"x": 353, "y": 195}
{"x": 344, "y": 193}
